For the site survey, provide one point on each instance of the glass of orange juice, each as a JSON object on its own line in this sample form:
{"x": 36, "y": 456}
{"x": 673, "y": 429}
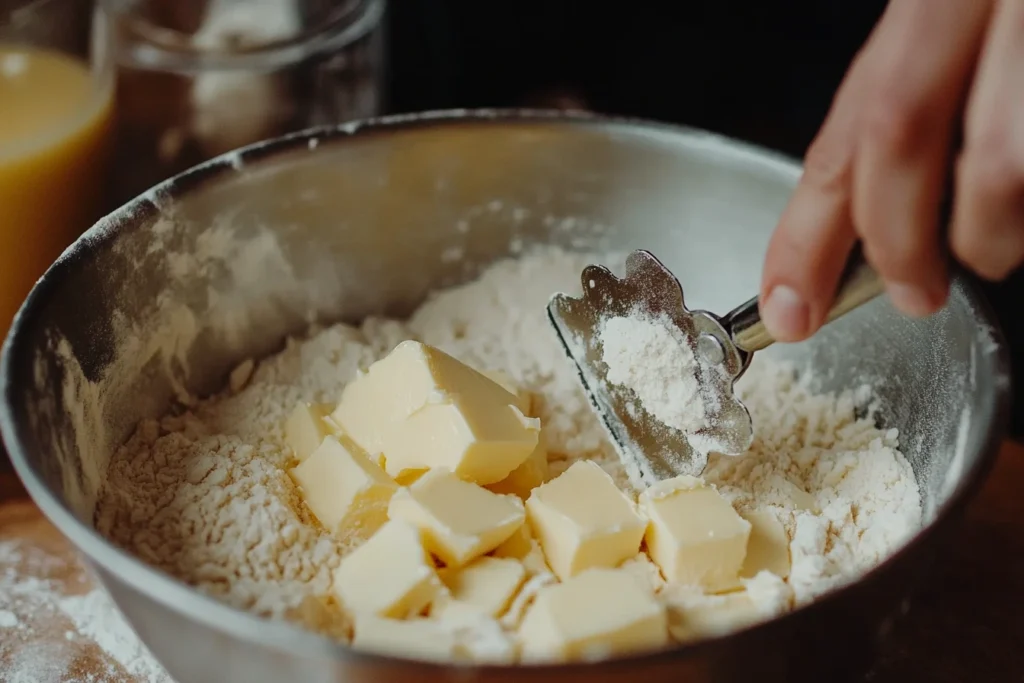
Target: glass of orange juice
{"x": 56, "y": 110}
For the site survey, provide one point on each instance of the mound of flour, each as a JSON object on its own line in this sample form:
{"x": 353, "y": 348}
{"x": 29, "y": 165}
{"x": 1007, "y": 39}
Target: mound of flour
{"x": 204, "y": 494}
{"x": 649, "y": 356}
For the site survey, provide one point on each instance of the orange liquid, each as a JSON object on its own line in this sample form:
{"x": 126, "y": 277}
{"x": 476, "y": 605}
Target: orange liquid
{"x": 55, "y": 124}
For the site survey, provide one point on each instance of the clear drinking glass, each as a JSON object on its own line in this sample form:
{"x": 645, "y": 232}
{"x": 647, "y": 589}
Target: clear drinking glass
{"x": 197, "y": 78}
{"x": 56, "y": 113}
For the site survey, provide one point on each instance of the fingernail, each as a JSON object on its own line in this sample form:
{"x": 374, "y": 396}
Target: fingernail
{"x": 785, "y": 313}
{"x": 910, "y": 299}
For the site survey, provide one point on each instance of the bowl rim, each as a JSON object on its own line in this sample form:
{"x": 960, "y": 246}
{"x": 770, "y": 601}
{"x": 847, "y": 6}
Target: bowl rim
{"x": 176, "y": 595}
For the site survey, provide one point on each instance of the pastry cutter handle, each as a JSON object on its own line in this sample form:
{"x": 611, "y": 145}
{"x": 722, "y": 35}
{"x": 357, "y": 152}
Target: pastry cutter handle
{"x": 858, "y": 285}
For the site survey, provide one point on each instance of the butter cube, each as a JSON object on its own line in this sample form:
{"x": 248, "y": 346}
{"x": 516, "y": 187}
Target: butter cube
{"x": 582, "y": 520}
{"x": 486, "y": 585}
{"x": 518, "y": 545}
{"x": 708, "y": 616}
{"x": 415, "y": 639}
{"x": 768, "y": 546}
{"x": 408, "y": 477}
{"x": 481, "y": 638}
{"x": 421, "y": 408}
{"x": 524, "y": 479}
{"x": 524, "y": 400}
{"x": 645, "y": 571}
{"x": 600, "y": 613}
{"x": 347, "y": 492}
{"x": 305, "y": 429}
{"x": 513, "y": 616}
{"x": 694, "y": 534}
{"x": 390, "y": 575}
{"x": 460, "y": 521}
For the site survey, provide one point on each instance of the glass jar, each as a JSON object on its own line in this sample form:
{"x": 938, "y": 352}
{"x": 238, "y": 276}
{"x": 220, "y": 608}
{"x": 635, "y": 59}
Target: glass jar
{"x": 56, "y": 118}
{"x": 197, "y": 78}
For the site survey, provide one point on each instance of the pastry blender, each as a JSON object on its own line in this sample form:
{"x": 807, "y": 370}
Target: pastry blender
{"x": 723, "y": 346}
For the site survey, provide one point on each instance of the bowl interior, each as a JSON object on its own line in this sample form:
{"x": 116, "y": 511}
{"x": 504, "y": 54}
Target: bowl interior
{"x": 167, "y": 295}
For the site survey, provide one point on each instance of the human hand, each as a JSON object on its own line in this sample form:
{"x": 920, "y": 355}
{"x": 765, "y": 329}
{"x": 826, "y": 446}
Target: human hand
{"x": 877, "y": 170}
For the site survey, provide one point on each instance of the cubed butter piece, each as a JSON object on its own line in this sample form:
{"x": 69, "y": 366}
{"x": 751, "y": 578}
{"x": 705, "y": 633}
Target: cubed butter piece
{"x": 305, "y": 429}
{"x": 524, "y": 400}
{"x": 421, "y": 408}
{"x": 408, "y": 477}
{"x": 694, "y": 534}
{"x": 347, "y": 492}
{"x": 390, "y": 575}
{"x": 697, "y": 617}
{"x": 513, "y": 617}
{"x": 487, "y": 584}
{"x": 597, "y": 614}
{"x": 518, "y": 545}
{"x": 768, "y": 546}
{"x": 583, "y": 520}
{"x": 644, "y": 571}
{"x": 414, "y": 639}
{"x": 524, "y": 479}
{"x": 482, "y": 638}
{"x": 460, "y": 521}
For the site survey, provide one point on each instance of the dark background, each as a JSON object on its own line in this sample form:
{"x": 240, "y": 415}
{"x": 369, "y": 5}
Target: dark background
{"x": 760, "y": 71}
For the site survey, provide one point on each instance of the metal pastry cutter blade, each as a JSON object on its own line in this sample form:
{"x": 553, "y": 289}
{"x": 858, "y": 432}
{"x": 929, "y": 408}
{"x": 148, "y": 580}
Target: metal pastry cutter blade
{"x": 650, "y": 450}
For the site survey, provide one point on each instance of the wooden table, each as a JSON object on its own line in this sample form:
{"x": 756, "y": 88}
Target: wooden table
{"x": 967, "y": 626}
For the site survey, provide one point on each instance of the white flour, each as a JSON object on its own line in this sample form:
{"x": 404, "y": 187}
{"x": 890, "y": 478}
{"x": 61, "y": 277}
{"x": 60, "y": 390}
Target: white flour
{"x": 96, "y": 618}
{"x": 649, "y": 356}
{"x": 203, "y": 494}
{"x": 845, "y": 493}
{"x": 50, "y": 633}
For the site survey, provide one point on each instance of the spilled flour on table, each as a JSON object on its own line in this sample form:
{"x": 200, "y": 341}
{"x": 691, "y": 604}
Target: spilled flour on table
{"x": 56, "y": 627}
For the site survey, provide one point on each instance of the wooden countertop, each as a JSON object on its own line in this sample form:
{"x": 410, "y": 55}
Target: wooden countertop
{"x": 967, "y": 625}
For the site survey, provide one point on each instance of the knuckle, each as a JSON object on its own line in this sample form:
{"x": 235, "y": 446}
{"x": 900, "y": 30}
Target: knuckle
{"x": 894, "y": 123}
{"x": 897, "y": 243}
{"x": 988, "y": 255}
{"x": 827, "y": 165}
{"x": 986, "y": 265}
{"x": 900, "y": 259}
{"x": 990, "y": 168}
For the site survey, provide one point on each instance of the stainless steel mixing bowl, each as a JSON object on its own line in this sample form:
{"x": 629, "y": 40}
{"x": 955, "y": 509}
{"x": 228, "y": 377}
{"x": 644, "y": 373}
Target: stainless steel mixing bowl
{"x": 220, "y": 264}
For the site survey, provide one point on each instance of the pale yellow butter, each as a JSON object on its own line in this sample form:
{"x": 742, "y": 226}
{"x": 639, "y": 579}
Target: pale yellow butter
{"x": 693, "y": 534}
{"x": 460, "y": 521}
{"x": 486, "y": 585}
{"x": 597, "y": 614}
{"x": 390, "y": 575}
{"x": 421, "y": 409}
{"x": 347, "y": 492}
{"x": 695, "y": 617}
{"x": 482, "y": 638}
{"x": 513, "y": 616}
{"x": 524, "y": 399}
{"x": 524, "y": 479}
{"x": 306, "y": 428}
{"x": 582, "y": 520}
{"x": 768, "y": 546}
{"x": 414, "y": 639}
{"x": 517, "y": 546}
{"x": 645, "y": 571}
